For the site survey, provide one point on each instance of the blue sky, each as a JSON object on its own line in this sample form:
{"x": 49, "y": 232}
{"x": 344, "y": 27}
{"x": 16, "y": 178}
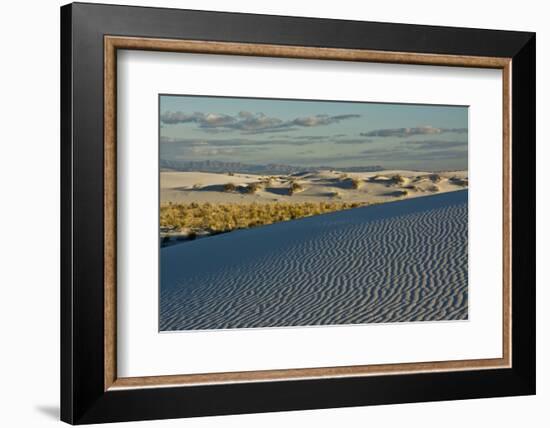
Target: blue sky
{"x": 313, "y": 133}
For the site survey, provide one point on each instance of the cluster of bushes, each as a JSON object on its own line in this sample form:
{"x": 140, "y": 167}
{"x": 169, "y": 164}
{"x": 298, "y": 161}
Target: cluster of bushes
{"x": 216, "y": 218}
{"x": 294, "y": 188}
{"x": 356, "y": 183}
{"x": 459, "y": 181}
{"x": 435, "y": 178}
{"x": 398, "y": 179}
{"x": 253, "y": 187}
{"x": 229, "y": 187}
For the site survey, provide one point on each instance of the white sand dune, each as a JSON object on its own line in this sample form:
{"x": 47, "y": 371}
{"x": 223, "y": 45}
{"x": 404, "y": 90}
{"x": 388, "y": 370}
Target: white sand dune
{"x": 395, "y": 262}
{"x": 315, "y": 186}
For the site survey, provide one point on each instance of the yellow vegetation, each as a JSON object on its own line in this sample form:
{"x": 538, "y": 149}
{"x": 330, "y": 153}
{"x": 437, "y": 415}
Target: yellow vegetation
{"x": 294, "y": 188}
{"x": 253, "y": 187}
{"x": 229, "y": 187}
{"x": 356, "y": 183}
{"x": 215, "y": 218}
{"x": 398, "y": 179}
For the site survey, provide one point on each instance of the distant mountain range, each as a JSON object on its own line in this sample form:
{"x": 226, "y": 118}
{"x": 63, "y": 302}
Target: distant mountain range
{"x": 269, "y": 169}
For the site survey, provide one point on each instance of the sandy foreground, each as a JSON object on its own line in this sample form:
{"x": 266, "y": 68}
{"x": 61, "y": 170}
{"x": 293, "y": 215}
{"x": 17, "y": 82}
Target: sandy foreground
{"x": 366, "y": 265}
{"x": 367, "y": 187}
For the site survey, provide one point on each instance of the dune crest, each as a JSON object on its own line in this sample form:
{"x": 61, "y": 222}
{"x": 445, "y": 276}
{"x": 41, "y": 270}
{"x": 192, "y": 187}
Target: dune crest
{"x": 307, "y": 186}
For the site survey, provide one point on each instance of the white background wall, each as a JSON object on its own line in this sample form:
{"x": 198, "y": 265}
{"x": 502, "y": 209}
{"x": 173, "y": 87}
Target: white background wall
{"x": 29, "y": 218}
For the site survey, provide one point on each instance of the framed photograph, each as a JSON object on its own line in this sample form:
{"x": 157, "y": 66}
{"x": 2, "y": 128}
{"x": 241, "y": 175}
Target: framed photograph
{"x": 265, "y": 213}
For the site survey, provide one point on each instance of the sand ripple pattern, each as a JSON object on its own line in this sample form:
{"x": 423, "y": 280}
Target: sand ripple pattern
{"x": 397, "y": 262}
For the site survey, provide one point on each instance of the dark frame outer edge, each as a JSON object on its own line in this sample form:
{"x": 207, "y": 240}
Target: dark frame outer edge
{"x": 83, "y": 399}
{"x": 524, "y": 215}
{"x": 66, "y": 315}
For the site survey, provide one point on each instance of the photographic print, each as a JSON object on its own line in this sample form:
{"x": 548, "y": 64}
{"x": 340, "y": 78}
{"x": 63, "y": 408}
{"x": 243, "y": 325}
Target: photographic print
{"x": 286, "y": 213}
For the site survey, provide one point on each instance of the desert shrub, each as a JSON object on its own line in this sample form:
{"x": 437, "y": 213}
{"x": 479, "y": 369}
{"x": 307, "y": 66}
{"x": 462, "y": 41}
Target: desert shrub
{"x": 253, "y": 188}
{"x": 459, "y": 181}
{"x": 398, "y": 179}
{"x": 229, "y": 187}
{"x": 197, "y": 186}
{"x": 230, "y": 174}
{"x": 294, "y": 188}
{"x": 356, "y": 183}
{"x": 435, "y": 178}
{"x": 267, "y": 181}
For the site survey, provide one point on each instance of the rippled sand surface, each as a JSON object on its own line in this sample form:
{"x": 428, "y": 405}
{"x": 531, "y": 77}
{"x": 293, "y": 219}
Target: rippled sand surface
{"x": 394, "y": 262}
